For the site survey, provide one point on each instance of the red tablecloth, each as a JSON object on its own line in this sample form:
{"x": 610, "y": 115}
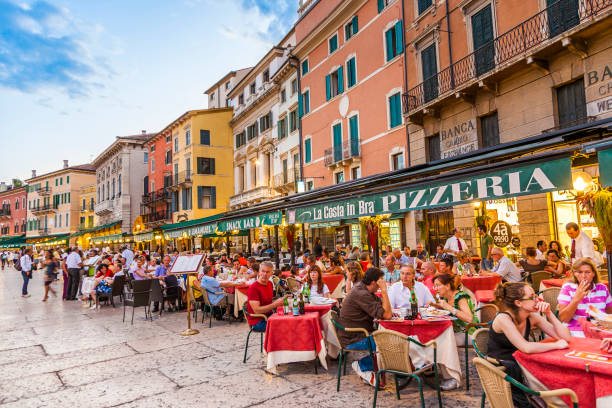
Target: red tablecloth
{"x": 332, "y": 281}
{"x": 485, "y": 296}
{"x": 592, "y": 331}
{"x": 286, "y": 274}
{"x": 320, "y": 309}
{"x": 475, "y": 283}
{"x": 549, "y": 283}
{"x": 557, "y": 369}
{"x": 293, "y": 333}
{"x": 424, "y": 330}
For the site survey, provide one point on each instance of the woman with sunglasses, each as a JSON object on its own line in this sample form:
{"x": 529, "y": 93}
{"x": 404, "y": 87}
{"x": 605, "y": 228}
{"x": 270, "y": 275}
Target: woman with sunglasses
{"x": 520, "y": 311}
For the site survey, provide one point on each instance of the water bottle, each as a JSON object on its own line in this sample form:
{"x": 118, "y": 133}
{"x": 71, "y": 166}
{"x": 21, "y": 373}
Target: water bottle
{"x": 296, "y": 306}
{"x": 286, "y": 307}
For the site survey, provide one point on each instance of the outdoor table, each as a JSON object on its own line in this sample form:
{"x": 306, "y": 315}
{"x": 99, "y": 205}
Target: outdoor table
{"x": 484, "y": 296}
{"x": 582, "y": 367}
{"x": 294, "y": 338}
{"x": 593, "y": 331}
{"x": 440, "y": 330}
{"x": 240, "y": 297}
{"x": 286, "y": 274}
{"x": 558, "y": 282}
{"x": 475, "y": 283}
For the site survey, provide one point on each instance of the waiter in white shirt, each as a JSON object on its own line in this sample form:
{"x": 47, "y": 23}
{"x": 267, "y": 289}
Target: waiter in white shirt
{"x": 26, "y": 270}
{"x": 455, "y": 244}
{"x": 400, "y": 295}
{"x": 582, "y": 244}
{"x": 74, "y": 263}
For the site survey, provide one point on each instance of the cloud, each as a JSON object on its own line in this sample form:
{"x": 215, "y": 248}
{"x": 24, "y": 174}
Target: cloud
{"x": 279, "y": 16}
{"x": 42, "y": 46}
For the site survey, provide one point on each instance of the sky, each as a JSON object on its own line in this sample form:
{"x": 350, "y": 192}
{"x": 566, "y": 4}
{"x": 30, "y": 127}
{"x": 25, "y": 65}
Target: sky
{"x": 76, "y": 74}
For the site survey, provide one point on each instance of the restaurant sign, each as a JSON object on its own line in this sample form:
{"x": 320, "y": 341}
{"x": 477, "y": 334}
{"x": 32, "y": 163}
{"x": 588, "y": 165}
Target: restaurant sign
{"x": 247, "y": 223}
{"x": 204, "y": 229}
{"x": 459, "y": 139}
{"x": 524, "y": 180}
{"x": 604, "y": 157}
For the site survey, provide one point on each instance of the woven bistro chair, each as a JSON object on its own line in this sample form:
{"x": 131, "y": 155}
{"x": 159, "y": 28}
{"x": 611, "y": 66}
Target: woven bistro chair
{"x": 394, "y": 351}
{"x": 480, "y": 341}
{"x": 343, "y": 351}
{"x": 536, "y": 278}
{"x": 550, "y": 295}
{"x": 263, "y": 316}
{"x": 496, "y": 385}
{"x": 487, "y": 314}
{"x": 293, "y": 284}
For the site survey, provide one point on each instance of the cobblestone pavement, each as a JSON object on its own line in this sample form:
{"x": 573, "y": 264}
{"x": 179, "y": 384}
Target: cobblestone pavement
{"x": 61, "y": 354}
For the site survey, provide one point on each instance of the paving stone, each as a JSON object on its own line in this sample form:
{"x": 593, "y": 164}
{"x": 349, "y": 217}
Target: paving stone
{"x": 21, "y": 354}
{"x": 16, "y": 389}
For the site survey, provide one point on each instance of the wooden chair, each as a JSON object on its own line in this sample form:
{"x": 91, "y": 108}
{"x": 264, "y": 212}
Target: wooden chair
{"x": 487, "y": 314}
{"x": 394, "y": 351}
{"x": 536, "y": 278}
{"x": 138, "y": 297}
{"x": 343, "y": 351}
{"x": 263, "y": 316}
{"x": 496, "y": 384}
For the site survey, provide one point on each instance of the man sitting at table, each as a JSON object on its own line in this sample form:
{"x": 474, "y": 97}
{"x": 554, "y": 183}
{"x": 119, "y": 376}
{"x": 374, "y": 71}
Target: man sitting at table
{"x": 440, "y": 254}
{"x": 429, "y": 270}
{"x": 400, "y": 258}
{"x": 260, "y": 297}
{"x": 503, "y": 268}
{"x": 421, "y": 253}
{"x": 400, "y": 293}
{"x": 391, "y": 274}
{"x": 359, "y": 309}
{"x": 446, "y": 265}
{"x": 214, "y": 289}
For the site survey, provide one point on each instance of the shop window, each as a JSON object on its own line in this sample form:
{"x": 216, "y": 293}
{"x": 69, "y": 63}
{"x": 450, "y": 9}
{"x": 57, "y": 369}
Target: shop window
{"x": 489, "y": 129}
{"x": 567, "y": 209}
{"x": 571, "y": 103}
{"x": 433, "y": 148}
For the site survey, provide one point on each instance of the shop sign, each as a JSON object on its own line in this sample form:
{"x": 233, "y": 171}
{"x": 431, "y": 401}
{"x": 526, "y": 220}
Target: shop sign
{"x": 204, "y": 229}
{"x": 501, "y": 232}
{"x": 459, "y": 139}
{"x": 143, "y": 237}
{"x": 324, "y": 224}
{"x": 257, "y": 221}
{"x": 524, "y": 180}
{"x": 516, "y": 242}
{"x": 604, "y": 157}
{"x": 176, "y": 233}
{"x": 599, "y": 86}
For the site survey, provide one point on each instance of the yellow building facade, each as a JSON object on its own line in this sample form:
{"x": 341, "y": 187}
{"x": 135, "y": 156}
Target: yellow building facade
{"x": 202, "y": 164}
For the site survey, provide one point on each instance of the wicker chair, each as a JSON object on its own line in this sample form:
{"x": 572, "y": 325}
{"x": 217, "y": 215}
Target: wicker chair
{"x": 480, "y": 341}
{"x": 550, "y": 295}
{"x": 536, "y": 278}
{"x": 496, "y": 386}
{"x": 293, "y": 284}
{"x": 394, "y": 350}
{"x": 263, "y": 316}
{"x": 343, "y": 351}
{"x": 276, "y": 281}
{"x": 487, "y": 314}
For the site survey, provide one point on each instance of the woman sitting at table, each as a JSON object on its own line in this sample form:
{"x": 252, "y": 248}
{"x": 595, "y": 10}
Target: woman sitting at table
{"x": 556, "y": 245}
{"x": 315, "y": 282}
{"x": 558, "y": 267}
{"x": 461, "y": 307}
{"x": 103, "y": 283}
{"x": 335, "y": 268}
{"x": 531, "y": 264}
{"x": 584, "y": 291}
{"x": 364, "y": 260}
{"x": 138, "y": 270}
{"x": 463, "y": 266}
{"x": 520, "y": 311}
{"x": 354, "y": 274}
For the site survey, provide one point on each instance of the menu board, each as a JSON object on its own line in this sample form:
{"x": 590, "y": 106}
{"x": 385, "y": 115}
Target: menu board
{"x": 187, "y": 263}
{"x": 395, "y": 234}
{"x": 356, "y": 235}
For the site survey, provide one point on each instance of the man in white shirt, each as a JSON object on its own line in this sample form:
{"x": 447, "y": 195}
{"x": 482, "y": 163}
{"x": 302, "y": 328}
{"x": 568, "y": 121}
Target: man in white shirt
{"x": 128, "y": 255}
{"x": 504, "y": 267}
{"x": 455, "y": 244}
{"x": 26, "y": 270}
{"x": 400, "y": 295}
{"x": 74, "y": 263}
{"x": 582, "y": 245}
{"x": 541, "y": 250}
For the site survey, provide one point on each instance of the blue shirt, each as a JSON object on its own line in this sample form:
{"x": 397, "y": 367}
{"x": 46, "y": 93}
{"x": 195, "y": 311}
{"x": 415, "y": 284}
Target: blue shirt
{"x": 161, "y": 270}
{"x": 392, "y": 276}
{"x": 212, "y": 285}
{"x": 404, "y": 260}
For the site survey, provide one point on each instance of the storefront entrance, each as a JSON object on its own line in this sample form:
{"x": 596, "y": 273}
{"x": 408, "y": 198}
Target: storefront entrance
{"x": 440, "y": 224}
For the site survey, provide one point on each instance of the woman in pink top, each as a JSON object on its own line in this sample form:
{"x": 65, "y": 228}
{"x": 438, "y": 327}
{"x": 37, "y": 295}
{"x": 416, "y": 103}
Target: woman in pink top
{"x": 585, "y": 290}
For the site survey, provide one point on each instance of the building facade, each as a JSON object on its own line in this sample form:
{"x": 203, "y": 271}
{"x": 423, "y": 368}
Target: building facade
{"x": 121, "y": 181}
{"x": 155, "y": 208}
{"x": 13, "y": 210}
{"x": 54, "y": 200}
{"x": 218, "y": 93}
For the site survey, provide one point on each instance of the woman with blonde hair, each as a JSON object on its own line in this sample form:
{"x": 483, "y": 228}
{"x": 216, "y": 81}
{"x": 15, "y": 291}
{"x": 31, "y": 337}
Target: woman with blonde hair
{"x": 354, "y": 274}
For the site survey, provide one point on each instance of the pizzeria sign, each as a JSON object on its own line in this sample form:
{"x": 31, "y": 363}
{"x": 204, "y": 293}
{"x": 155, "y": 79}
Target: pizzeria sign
{"x": 539, "y": 178}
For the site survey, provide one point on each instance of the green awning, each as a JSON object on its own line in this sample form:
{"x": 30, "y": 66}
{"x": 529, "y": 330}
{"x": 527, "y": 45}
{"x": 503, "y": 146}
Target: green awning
{"x": 58, "y": 239}
{"x": 103, "y": 238}
{"x": 191, "y": 228}
{"x": 521, "y": 180}
{"x": 147, "y": 236}
{"x": 605, "y": 167}
{"x": 256, "y": 221}
{"x": 111, "y": 224}
{"x": 324, "y": 224}
{"x": 12, "y": 242}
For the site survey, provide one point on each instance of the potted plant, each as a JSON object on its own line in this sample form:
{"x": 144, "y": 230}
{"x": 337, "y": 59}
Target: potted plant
{"x": 598, "y": 203}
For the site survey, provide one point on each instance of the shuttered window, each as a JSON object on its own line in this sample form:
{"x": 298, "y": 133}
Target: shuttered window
{"x": 351, "y": 28}
{"x": 354, "y": 135}
{"x": 571, "y": 102}
{"x": 482, "y": 37}
{"x": 429, "y": 68}
{"x": 207, "y": 197}
{"x": 351, "y": 74}
{"x": 423, "y": 5}
{"x": 489, "y": 128}
{"x": 206, "y": 165}
{"x": 433, "y": 147}
{"x": 333, "y": 43}
{"x": 337, "y": 132}
{"x": 395, "y": 110}
{"x": 307, "y": 151}
{"x": 334, "y": 83}
{"x": 304, "y": 67}
{"x": 394, "y": 41}
{"x": 205, "y": 137}
{"x": 304, "y": 104}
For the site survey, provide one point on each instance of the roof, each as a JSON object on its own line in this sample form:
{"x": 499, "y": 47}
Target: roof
{"x": 239, "y": 74}
{"x": 185, "y": 116}
{"x": 89, "y": 168}
{"x": 139, "y": 139}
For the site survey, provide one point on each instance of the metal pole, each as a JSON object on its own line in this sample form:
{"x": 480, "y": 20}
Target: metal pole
{"x": 609, "y": 258}
{"x": 276, "y": 250}
{"x": 249, "y": 243}
{"x": 303, "y": 239}
{"x": 227, "y": 244}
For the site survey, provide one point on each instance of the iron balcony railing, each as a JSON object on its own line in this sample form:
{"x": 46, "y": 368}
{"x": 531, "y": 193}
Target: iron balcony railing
{"x": 545, "y": 25}
{"x": 44, "y": 208}
{"x": 182, "y": 177}
{"x": 157, "y": 217}
{"x": 348, "y": 150}
{"x": 5, "y": 211}
{"x": 43, "y": 231}
{"x": 44, "y": 191}
{"x": 160, "y": 195}
{"x": 287, "y": 177}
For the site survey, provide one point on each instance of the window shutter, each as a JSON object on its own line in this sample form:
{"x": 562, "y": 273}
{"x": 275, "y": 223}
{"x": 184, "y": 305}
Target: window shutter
{"x": 307, "y": 102}
{"x": 389, "y": 44}
{"x": 200, "y": 191}
{"x": 301, "y": 106}
{"x": 213, "y": 197}
{"x": 212, "y": 166}
{"x": 279, "y": 128}
{"x": 205, "y": 137}
{"x": 327, "y": 87}
{"x": 307, "y": 149}
{"x": 353, "y": 127}
{"x": 350, "y": 73}
{"x": 270, "y": 118}
{"x": 340, "y": 79}
{"x": 354, "y": 22}
{"x": 286, "y": 126}
{"x": 381, "y": 5}
{"x": 255, "y": 129}
{"x": 399, "y": 38}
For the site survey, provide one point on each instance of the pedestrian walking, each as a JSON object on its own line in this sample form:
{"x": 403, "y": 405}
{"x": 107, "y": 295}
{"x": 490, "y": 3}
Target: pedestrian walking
{"x": 4, "y": 257}
{"x": 74, "y": 263}
{"x": 26, "y": 271}
{"x": 50, "y": 265}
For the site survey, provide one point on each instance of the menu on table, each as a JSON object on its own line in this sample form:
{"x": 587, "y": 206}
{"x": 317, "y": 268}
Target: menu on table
{"x": 585, "y": 355}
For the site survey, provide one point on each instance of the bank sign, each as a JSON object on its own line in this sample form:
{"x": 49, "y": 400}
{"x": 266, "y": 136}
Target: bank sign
{"x": 543, "y": 177}
{"x": 247, "y": 223}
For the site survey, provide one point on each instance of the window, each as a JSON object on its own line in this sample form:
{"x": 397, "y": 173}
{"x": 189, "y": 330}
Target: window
{"x": 266, "y": 75}
{"x": 186, "y": 198}
{"x": 146, "y": 158}
{"x": 252, "y": 88}
{"x": 188, "y": 168}
{"x": 304, "y": 67}
{"x": 91, "y": 200}
{"x": 429, "y": 66}
{"x": 174, "y": 201}
{"x": 67, "y": 218}
{"x": 187, "y": 137}
{"x": 423, "y": 5}
{"x": 482, "y": 37}
{"x": 382, "y": 4}
{"x": 334, "y": 83}
{"x": 285, "y": 170}
{"x": 240, "y": 139}
{"x": 57, "y": 182}
{"x": 152, "y": 164}
{"x": 169, "y": 139}
{"x": 333, "y": 43}
{"x": 84, "y": 204}
{"x": 205, "y": 137}
{"x": 212, "y": 96}
{"x": 265, "y": 122}
{"x": 119, "y": 185}
{"x": 294, "y": 87}
{"x": 293, "y": 121}
{"x": 305, "y": 103}
{"x": 59, "y": 221}
{"x": 337, "y": 137}
{"x": 562, "y": 15}
{"x": 228, "y": 103}
{"x": 351, "y": 74}
{"x": 207, "y": 197}
{"x": 489, "y": 130}
{"x": 339, "y": 177}
{"x": 227, "y": 85}
{"x": 307, "y": 150}
{"x": 350, "y": 29}
{"x": 206, "y": 165}
{"x": 176, "y": 144}
{"x": 152, "y": 148}
{"x": 282, "y": 127}
{"x": 168, "y": 157}
{"x": 433, "y": 148}
{"x": 571, "y": 103}
{"x": 283, "y": 96}
{"x": 102, "y": 198}
{"x": 394, "y": 41}
{"x": 397, "y": 161}
{"x": 67, "y": 179}
{"x": 252, "y": 131}
{"x": 145, "y": 183}
{"x": 309, "y": 185}
{"x": 355, "y": 173}
{"x": 241, "y": 99}
{"x": 395, "y": 110}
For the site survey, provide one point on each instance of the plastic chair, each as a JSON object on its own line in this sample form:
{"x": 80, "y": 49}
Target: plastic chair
{"x": 394, "y": 351}
{"x": 496, "y": 385}
{"x": 342, "y": 356}
{"x": 263, "y": 316}
{"x": 139, "y": 297}
{"x": 487, "y": 314}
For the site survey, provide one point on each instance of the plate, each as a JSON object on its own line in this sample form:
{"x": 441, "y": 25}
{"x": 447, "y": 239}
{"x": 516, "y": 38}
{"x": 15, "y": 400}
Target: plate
{"x": 436, "y": 312}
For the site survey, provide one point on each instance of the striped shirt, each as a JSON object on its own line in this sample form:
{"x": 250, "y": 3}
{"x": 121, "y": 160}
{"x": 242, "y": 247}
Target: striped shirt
{"x": 599, "y": 297}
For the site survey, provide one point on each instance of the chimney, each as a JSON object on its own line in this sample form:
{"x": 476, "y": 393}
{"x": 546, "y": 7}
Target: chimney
{"x": 65, "y": 164}
{"x": 33, "y": 173}
{"x": 144, "y": 132}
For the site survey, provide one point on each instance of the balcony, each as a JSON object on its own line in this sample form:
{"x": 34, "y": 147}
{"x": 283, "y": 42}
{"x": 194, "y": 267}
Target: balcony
{"x": 42, "y": 231}
{"x": 155, "y": 197}
{"x": 481, "y": 68}
{"x": 181, "y": 179}
{"x": 5, "y": 211}
{"x": 105, "y": 207}
{"x": 157, "y": 218}
{"x": 43, "y": 209}
{"x": 343, "y": 155}
{"x": 44, "y": 191}
{"x": 253, "y": 196}
{"x": 285, "y": 181}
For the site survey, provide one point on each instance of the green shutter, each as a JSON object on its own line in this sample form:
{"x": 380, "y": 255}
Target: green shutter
{"x": 395, "y": 107}
{"x": 308, "y": 152}
{"x": 350, "y": 73}
{"x": 304, "y": 67}
{"x": 399, "y": 38}
{"x": 286, "y": 123}
{"x": 381, "y": 5}
{"x": 340, "y": 80}
{"x": 354, "y": 128}
{"x": 301, "y": 106}
{"x": 327, "y": 87}
{"x": 307, "y": 102}
{"x": 389, "y": 44}
{"x": 279, "y": 128}
{"x": 355, "y": 25}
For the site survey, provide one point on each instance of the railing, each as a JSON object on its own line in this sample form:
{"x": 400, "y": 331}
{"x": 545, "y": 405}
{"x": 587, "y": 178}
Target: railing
{"x": 5, "y": 211}
{"x": 182, "y": 177}
{"x": 157, "y": 217}
{"x": 105, "y": 207}
{"x": 580, "y": 121}
{"x": 44, "y": 191}
{"x": 287, "y": 177}
{"x": 547, "y": 24}
{"x": 253, "y": 195}
{"x": 44, "y": 208}
{"x": 154, "y": 196}
{"x": 348, "y": 150}
{"x": 43, "y": 231}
